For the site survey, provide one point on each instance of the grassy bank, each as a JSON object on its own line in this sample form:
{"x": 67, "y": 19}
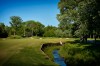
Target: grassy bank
{"x": 48, "y": 51}
{"x": 77, "y": 54}
{"x": 81, "y": 54}
{"x": 25, "y": 52}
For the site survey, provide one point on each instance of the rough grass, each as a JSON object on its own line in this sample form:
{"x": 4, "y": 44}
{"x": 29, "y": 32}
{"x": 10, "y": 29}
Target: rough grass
{"x": 81, "y": 54}
{"x": 25, "y": 52}
{"x": 77, "y": 54}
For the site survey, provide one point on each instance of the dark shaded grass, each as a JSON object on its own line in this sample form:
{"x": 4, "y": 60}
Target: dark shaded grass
{"x": 81, "y": 54}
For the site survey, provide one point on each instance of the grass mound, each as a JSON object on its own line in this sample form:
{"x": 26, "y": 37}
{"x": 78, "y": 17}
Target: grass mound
{"x": 14, "y": 37}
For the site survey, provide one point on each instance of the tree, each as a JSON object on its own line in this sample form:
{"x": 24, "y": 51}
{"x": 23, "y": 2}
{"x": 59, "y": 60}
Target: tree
{"x": 49, "y": 31}
{"x": 58, "y": 33}
{"x": 90, "y": 16}
{"x": 84, "y": 15}
{"x": 23, "y": 28}
{"x": 3, "y": 32}
{"x": 68, "y": 14}
{"x": 15, "y": 24}
{"x": 32, "y": 27}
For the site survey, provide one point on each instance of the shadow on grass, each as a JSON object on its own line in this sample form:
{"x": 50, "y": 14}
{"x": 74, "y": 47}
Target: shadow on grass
{"x": 89, "y": 55}
{"x": 49, "y": 45}
{"x": 94, "y": 52}
{"x": 88, "y": 42}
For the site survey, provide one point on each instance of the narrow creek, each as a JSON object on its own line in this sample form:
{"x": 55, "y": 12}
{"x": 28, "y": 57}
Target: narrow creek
{"x": 57, "y": 59}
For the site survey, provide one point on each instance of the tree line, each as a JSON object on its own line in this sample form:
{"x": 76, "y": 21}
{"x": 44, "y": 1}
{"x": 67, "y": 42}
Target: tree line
{"x": 19, "y": 28}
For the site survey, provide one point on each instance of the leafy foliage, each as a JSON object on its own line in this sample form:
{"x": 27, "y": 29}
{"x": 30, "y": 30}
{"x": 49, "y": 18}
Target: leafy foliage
{"x": 15, "y": 24}
{"x": 81, "y": 17}
{"x": 49, "y": 31}
{"x": 33, "y": 28}
{"x": 3, "y": 32}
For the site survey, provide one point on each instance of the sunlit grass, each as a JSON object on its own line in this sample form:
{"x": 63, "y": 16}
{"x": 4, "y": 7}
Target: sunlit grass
{"x": 25, "y": 52}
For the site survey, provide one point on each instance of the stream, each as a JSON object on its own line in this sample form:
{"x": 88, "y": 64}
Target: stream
{"x": 57, "y": 59}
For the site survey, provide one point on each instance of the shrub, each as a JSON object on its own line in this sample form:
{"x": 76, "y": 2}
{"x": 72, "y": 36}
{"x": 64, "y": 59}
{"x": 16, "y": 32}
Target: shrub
{"x": 49, "y": 33}
{"x": 14, "y": 37}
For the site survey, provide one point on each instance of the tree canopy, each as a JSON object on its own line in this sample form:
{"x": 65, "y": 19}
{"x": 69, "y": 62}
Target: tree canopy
{"x": 84, "y": 15}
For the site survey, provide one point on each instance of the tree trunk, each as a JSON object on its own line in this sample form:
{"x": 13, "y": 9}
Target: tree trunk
{"x": 82, "y": 39}
{"x": 86, "y": 39}
{"x": 32, "y": 31}
{"x": 14, "y": 33}
{"x": 95, "y": 39}
{"x": 91, "y": 35}
{"x": 24, "y": 32}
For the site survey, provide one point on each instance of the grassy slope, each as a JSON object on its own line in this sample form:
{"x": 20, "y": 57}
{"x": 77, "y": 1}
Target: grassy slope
{"x": 24, "y": 52}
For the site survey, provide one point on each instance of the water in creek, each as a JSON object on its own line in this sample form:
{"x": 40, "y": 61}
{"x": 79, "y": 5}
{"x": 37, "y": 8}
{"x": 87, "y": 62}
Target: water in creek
{"x": 57, "y": 59}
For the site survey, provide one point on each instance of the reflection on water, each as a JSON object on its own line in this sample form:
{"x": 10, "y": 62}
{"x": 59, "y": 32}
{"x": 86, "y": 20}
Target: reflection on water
{"x": 58, "y": 59}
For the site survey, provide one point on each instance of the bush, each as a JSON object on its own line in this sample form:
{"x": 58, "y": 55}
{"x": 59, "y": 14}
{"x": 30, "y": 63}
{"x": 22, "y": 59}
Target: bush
{"x": 58, "y": 33}
{"x": 49, "y": 33}
{"x": 3, "y": 34}
{"x": 15, "y": 37}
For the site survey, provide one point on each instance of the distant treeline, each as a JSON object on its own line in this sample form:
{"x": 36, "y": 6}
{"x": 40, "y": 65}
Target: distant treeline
{"x": 30, "y": 28}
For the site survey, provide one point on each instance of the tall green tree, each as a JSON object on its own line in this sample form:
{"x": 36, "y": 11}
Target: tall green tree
{"x": 49, "y": 31}
{"x": 90, "y": 17}
{"x": 68, "y": 14}
{"x": 15, "y": 24}
{"x": 82, "y": 17}
{"x": 33, "y": 28}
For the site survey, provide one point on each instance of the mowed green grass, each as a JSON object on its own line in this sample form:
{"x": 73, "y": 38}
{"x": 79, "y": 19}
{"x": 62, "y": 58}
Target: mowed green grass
{"x": 25, "y": 52}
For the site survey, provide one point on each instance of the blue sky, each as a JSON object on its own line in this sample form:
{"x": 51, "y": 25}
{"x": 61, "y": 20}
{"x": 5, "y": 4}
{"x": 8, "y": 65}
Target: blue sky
{"x": 44, "y": 11}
